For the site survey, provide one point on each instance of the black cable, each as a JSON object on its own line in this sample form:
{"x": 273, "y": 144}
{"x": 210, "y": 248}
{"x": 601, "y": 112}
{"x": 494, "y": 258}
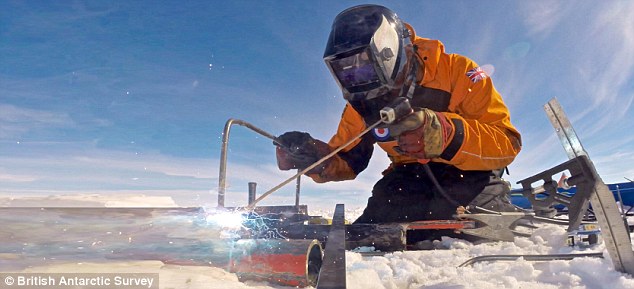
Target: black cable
{"x": 440, "y": 189}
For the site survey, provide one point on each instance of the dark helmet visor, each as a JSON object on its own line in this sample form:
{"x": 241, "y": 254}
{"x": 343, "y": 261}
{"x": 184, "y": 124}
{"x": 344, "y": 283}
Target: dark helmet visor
{"x": 356, "y": 72}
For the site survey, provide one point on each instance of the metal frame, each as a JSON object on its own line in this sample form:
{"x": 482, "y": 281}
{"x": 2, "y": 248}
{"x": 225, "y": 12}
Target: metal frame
{"x": 589, "y": 187}
{"x": 615, "y": 233}
{"x": 333, "y": 268}
{"x": 577, "y": 204}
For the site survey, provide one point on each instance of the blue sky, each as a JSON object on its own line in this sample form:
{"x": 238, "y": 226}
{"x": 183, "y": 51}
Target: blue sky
{"x": 130, "y": 97}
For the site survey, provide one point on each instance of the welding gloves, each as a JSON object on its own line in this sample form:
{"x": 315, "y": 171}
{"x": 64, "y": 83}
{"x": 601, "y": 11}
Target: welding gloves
{"x": 298, "y": 150}
{"x": 423, "y": 134}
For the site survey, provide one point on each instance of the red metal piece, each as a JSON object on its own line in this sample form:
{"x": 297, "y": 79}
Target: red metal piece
{"x": 287, "y": 262}
{"x": 441, "y": 225}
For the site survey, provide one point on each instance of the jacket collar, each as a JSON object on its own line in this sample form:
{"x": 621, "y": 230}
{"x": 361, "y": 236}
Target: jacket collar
{"x": 429, "y": 51}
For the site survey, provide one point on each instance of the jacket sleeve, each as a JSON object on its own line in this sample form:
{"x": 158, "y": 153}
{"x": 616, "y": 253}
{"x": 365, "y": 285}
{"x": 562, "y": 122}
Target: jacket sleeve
{"x": 484, "y": 138}
{"x": 353, "y": 159}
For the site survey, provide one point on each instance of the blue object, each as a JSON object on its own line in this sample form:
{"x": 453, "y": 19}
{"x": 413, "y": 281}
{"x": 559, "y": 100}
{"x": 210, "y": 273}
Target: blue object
{"x": 626, "y": 190}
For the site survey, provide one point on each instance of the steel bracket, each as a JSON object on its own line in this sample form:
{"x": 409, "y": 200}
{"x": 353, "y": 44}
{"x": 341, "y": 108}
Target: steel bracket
{"x": 547, "y": 195}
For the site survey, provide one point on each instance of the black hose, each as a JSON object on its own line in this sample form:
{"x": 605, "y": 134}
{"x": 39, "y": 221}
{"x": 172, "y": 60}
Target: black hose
{"x": 440, "y": 189}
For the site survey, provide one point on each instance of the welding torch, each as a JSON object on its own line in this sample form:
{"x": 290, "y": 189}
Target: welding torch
{"x": 394, "y": 112}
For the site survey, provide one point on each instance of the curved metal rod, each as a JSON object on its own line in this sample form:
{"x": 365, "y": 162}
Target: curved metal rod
{"x": 223, "y": 159}
{"x": 222, "y": 177}
{"x": 529, "y": 257}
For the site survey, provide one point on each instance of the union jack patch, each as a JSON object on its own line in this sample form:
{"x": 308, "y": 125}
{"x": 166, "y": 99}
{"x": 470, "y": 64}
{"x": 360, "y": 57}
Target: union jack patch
{"x": 477, "y": 74}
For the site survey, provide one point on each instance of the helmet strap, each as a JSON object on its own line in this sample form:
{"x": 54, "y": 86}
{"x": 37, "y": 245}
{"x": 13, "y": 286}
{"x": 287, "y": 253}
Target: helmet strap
{"x": 412, "y": 32}
{"x": 411, "y": 78}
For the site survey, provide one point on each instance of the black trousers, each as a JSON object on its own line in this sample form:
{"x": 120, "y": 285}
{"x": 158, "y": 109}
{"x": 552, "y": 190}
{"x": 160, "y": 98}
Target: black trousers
{"x": 406, "y": 193}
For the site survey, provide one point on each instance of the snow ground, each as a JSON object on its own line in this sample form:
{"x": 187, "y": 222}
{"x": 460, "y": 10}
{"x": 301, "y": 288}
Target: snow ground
{"x": 411, "y": 270}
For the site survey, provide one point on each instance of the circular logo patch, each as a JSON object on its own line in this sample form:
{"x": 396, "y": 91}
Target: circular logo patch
{"x": 381, "y": 134}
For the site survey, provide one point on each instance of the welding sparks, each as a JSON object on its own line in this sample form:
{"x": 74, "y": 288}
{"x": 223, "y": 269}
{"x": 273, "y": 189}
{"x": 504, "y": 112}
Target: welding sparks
{"x": 227, "y": 220}
{"x": 241, "y": 224}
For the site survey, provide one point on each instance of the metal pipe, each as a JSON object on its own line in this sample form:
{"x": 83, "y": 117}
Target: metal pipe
{"x": 623, "y": 212}
{"x": 222, "y": 172}
{"x": 297, "y": 191}
{"x": 618, "y": 194}
{"x": 551, "y": 257}
{"x": 252, "y": 186}
{"x": 287, "y": 262}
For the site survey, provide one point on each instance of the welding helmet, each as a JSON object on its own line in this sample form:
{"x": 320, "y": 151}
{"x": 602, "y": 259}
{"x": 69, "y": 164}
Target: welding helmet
{"x": 368, "y": 53}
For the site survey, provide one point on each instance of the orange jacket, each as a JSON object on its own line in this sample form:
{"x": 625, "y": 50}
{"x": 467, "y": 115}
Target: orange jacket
{"x": 483, "y": 139}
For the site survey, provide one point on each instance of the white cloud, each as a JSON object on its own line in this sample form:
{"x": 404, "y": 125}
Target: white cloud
{"x": 4, "y": 177}
{"x": 541, "y": 17}
{"x": 15, "y": 121}
{"x": 615, "y": 167}
{"x": 588, "y": 49}
{"x": 611, "y": 66}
